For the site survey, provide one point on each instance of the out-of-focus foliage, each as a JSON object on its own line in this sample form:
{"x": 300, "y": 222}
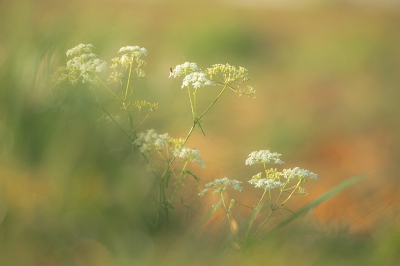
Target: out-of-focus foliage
{"x": 327, "y": 79}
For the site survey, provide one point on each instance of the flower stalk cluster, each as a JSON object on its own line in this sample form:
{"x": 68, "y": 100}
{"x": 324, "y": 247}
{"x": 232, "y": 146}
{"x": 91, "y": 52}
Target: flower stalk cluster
{"x": 267, "y": 180}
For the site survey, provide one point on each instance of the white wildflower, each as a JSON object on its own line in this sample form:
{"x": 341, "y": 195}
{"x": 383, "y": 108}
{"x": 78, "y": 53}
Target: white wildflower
{"x": 263, "y": 156}
{"x": 192, "y": 155}
{"x": 122, "y": 64}
{"x": 134, "y": 50}
{"x": 184, "y": 69}
{"x": 197, "y": 79}
{"x": 299, "y": 173}
{"x": 83, "y": 67}
{"x": 220, "y": 185}
{"x": 266, "y": 184}
{"x": 80, "y": 49}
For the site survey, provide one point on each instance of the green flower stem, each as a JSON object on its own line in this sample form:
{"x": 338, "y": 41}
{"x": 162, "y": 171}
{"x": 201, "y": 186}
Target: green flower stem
{"x": 116, "y": 96}
{"x": 129, "y": 81}
{"x": 186, "y": 139}
{"x": 265, "y": 221}
{"x": 266, "y": 176}
{"x": 226, "y": 211}
{"x": 109, "y": 115}
{"x": 254, "y": 213}
{"x": 193, "y": 126}
{"x": 291, "y": 194}
{"x": 178, "y": 182}
{"x": 191, "y": 103}
{"x": 195, "y": 103}
{"x": 208, "y": 108}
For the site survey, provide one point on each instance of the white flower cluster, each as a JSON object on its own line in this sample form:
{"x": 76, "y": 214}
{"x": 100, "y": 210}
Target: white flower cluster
{"x": 189, "y": 154}
{"x": 272, "y": 177}
{"x": 220, "y": 185}
{"x": 80, "y": 49}
{"x": 266, "y": 184}
{"x": 299, "y": 173}
{"x": 121, "y": 64}
{"x": 184, "y": 69}
{"x": 135, "y": 51}
{"x": 87, "y": 65}
{"x": 263, "y": 156}
{"x": 82, "y": 67}
{"x": 151, "y": 140}
{"x": 197, "y": 79}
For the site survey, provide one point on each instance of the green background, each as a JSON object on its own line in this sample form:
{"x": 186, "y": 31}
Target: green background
{"x": 327, "y": 76}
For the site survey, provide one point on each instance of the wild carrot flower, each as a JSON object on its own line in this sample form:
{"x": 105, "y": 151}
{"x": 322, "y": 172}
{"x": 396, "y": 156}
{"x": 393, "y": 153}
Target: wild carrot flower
{"x": 301, "y": 174}
{"x": 83, "y": 67}
{"x": 189, "y": 154}
{"x": 125, "y": 62}
{"x": 184, "y": 69}
{"x": 265, "y": 183}
{"x": 197, "y": 79}
{"x": 151, "y": 140}
{"x": 263, "y": 156}
{"x": 220, "y": 185}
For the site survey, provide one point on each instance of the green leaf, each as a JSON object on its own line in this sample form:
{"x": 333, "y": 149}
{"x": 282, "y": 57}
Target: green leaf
{"x": 198, "y": 123}
{"x": 193, "y": 175}
{"x": 213, "y": 209}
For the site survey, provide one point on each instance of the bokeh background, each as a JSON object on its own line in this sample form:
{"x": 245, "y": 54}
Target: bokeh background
{"x": 327, "y": 76}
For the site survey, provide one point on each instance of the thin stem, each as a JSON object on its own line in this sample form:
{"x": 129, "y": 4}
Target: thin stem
{"x": 109, "y": 115}
{"x": 129, "y": 80}
{"x": 116, "y": 96}
{"x": 208, "y": 108}
{"x": 254, "y": 213}
{"x": 265, "y": 221}
{"x": 227, "y": 212}
{"x": 191, "y": 104}
{"x": 195, "y": 103}
{"x": 291, "y": 194}
{"x": 178, "y": 181}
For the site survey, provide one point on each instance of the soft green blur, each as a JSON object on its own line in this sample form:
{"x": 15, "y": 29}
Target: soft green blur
{"x": 327, "y": 78}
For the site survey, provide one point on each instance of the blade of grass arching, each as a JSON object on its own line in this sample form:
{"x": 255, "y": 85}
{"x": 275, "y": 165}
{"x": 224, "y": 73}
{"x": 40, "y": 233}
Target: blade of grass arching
{"x": 327, "y": 195}
{"x": 213, "y": 209}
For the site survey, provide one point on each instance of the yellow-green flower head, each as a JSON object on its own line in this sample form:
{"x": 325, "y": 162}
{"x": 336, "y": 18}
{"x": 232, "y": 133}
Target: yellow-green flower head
{"x": 227, "y": 74}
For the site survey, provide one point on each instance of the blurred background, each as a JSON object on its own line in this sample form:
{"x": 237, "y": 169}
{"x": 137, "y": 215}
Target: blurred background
{"x": 327, "y": 76}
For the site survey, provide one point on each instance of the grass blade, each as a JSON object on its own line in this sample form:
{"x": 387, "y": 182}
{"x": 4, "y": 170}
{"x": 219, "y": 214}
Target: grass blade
{"x": 329, "y": 194}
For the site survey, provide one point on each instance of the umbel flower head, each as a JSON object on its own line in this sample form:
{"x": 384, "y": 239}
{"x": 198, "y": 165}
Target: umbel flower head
{"x": 197, "y": 80}
{"x": 124, "y": 62}
{"x": 300, "y": 174}
{"x": 184, "y": 69}
{"x": 263, "y": 156}
{"x": 83, "y": 67}
{"x": 149, "y": 140}
{"x": 220, "y": 185}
